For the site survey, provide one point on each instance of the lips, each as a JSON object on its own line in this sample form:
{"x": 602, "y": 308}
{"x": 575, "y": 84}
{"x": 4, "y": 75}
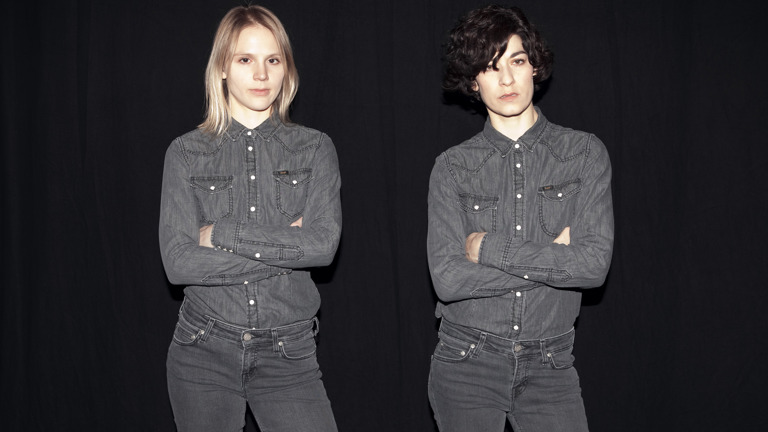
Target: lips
{"x": 508, "y": 95}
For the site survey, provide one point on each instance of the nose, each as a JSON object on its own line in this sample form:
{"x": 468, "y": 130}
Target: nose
{"x": 506, "y": 77}
{"x": 260, "y": 72}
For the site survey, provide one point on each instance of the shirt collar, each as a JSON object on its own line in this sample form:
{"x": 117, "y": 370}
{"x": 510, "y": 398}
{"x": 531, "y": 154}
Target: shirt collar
{"x": 266, "y": 129}
{"x": 528, "y": 140}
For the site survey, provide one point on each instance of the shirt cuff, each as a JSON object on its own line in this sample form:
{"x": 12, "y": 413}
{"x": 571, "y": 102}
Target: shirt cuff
{"x": 493, "y": 250}
{"x": 224, "y": 235}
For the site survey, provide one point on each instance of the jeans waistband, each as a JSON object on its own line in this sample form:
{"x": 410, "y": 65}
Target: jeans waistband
{"x": 210, "y": 326}
{"x": 488, "y": 341}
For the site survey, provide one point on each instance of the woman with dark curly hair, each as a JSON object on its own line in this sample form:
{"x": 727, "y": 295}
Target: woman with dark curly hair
{"x": 520, "y": 219}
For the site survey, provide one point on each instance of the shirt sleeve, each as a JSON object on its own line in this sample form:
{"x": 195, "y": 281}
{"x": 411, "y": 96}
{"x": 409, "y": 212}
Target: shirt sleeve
{"x": 585, "y": 261}
{"x": 312, "y": 245}
{"x": 455, "y": 277}
{"x": 185, "y": 262}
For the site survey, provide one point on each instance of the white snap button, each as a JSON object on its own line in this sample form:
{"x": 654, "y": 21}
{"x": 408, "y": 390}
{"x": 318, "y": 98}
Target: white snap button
{"x": 516, "y": 328}
{"x": 248, "y": 133}
{"x": 477, "y": 207}
{"x": 253, "y": 177}
{"x": 518, "y": 227}
{"x": 518, "y": 294}
{"x": 245, "y": 283}
{"x": 251, "y": 302}
{"x": 258, "y": 255}
{"x": 517, "y": 145}
{"x": 519, "y": 196}
{"x": 517, "y": 165}
{"x": 213, "y": 187}
{"x": 560, "y": 195}
{"x": 250, "y": 148}
{"x": 525, "y": 277}
{"x": 294, "y": 182}
{"x": 253, "y": 209}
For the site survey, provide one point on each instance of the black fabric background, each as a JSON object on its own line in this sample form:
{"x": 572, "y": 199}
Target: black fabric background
{"x": 94, "y": 91}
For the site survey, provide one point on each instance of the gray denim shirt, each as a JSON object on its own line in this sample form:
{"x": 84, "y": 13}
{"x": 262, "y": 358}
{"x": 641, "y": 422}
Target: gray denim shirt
{"x": 523, "y": 194}
{"x": 251, "y": 184}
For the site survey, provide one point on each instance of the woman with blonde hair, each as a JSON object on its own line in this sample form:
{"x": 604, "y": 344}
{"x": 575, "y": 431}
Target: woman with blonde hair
{"x": 250, "y": 202}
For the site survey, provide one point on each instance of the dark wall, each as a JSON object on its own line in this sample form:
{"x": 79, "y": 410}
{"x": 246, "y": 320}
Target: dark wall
{"x": 94, "y": 91}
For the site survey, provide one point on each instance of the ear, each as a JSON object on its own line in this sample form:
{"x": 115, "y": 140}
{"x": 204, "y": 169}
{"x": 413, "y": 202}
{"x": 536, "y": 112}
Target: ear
{"x": 223, "y": 75}
{"x": 475, "y": 87}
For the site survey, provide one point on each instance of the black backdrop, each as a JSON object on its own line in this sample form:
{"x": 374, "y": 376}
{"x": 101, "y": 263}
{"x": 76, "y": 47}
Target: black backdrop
{"x": 94, "y": 91}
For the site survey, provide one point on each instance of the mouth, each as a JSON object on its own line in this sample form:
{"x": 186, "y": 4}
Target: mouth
{"x": 508, "y": 96}
{"x": 259, "y": 92}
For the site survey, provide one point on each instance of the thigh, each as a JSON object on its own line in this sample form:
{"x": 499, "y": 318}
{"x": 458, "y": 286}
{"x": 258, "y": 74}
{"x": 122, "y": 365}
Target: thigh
{"x": 551, "y": 399}
{"x": 203, "y": 384}
{"x": 285, "y": 390}
{"x": 469, "y": 389}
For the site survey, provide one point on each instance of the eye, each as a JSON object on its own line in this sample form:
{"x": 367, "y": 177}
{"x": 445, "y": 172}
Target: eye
{"x": 518, "y": 61}
{"x": 244, "y": 60}
{"x": 274, "y": 61}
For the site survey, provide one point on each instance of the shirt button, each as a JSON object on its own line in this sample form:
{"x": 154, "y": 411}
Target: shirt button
{"x": 250, "y": 148}
{"x": 213, "y": 187}
{"x": 295, "y": 181}
{"x": 560, "y": 195}
{"x": 516, "y": 327}
{"x": 248, "y": 133}
{"x": 247, "y": 337}
{"x": 477, "y": 207}
{"x": 258, "y": 255}
{"x": 250, "y": 302}
{"x": 517, "y": 145}
{"x": 517, "y": 165}
{"x": 518, "y": 294}
{"x": 518, "y": 227}
{"x": 525, "y": 277}
{"x": 253, "y": 209}
{"x": 245, "y": 283}
{"x": 519, "y": 196}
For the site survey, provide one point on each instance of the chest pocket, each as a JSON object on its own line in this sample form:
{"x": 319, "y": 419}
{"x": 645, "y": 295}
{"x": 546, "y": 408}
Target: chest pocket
{"x": 213, "y": 195}
{"x": 291, "y": 191}
{"x": 557, "y": 205}
{"x": 480, "y": 212}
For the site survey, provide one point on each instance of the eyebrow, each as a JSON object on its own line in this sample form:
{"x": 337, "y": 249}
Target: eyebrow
{"x": 515, "y": 54}
{"x": 277, "y": 54}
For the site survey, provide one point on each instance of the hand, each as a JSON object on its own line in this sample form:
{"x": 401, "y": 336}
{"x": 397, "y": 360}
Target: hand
{"x": 564, "y": 237}
{"x": 297, "y": 223}
{"x": 205, "y": 236}
{"x": 472, "y": 246}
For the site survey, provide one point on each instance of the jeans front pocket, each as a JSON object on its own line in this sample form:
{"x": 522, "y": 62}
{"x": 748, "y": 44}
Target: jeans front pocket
{"x": 453, "y": 350}
{"x": 298, "y": 347}
{"x": 557, "y": 206}
{"x": 561, "y": 357}
{"x": 185, "y": 333}
{"x": 291, "y": 191}
{"x": 213, "y": 195}
{"x": 480, "y": 211}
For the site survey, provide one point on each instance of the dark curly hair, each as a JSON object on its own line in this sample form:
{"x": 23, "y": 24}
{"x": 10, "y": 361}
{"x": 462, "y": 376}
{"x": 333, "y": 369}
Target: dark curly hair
{"x": 481, "y": 37}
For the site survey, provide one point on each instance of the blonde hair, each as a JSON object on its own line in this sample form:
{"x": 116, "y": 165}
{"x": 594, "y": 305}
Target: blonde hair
{"x": 218, "y": 116}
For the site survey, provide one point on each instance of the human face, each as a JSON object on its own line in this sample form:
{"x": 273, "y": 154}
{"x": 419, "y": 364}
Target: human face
{"x": 254, "y": 76}
{"x": 508, "y": 91}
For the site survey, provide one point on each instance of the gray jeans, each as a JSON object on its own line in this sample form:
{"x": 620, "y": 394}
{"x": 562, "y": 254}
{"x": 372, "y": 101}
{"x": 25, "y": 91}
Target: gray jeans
{"x": 478, "y": 380}
{"x": 214, "y": 368}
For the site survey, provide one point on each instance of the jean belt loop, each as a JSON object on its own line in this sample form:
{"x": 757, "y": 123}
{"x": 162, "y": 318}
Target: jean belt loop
{"x": 275, "y": 339}
{"x": 316, "y": 326}
{"x": 207, "y": 331}
{"x": 481, "y": 341}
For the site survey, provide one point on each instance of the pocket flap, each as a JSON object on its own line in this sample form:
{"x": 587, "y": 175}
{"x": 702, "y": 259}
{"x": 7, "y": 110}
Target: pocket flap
{"x": 561, "y": 191}
{"x": 212, "y": 184}
{"x": 472, "y": 203}
{"x": 293, "y": 178}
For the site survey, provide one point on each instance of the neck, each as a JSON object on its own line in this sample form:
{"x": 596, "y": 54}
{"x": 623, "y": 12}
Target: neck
{"x": 513, "y": 127}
